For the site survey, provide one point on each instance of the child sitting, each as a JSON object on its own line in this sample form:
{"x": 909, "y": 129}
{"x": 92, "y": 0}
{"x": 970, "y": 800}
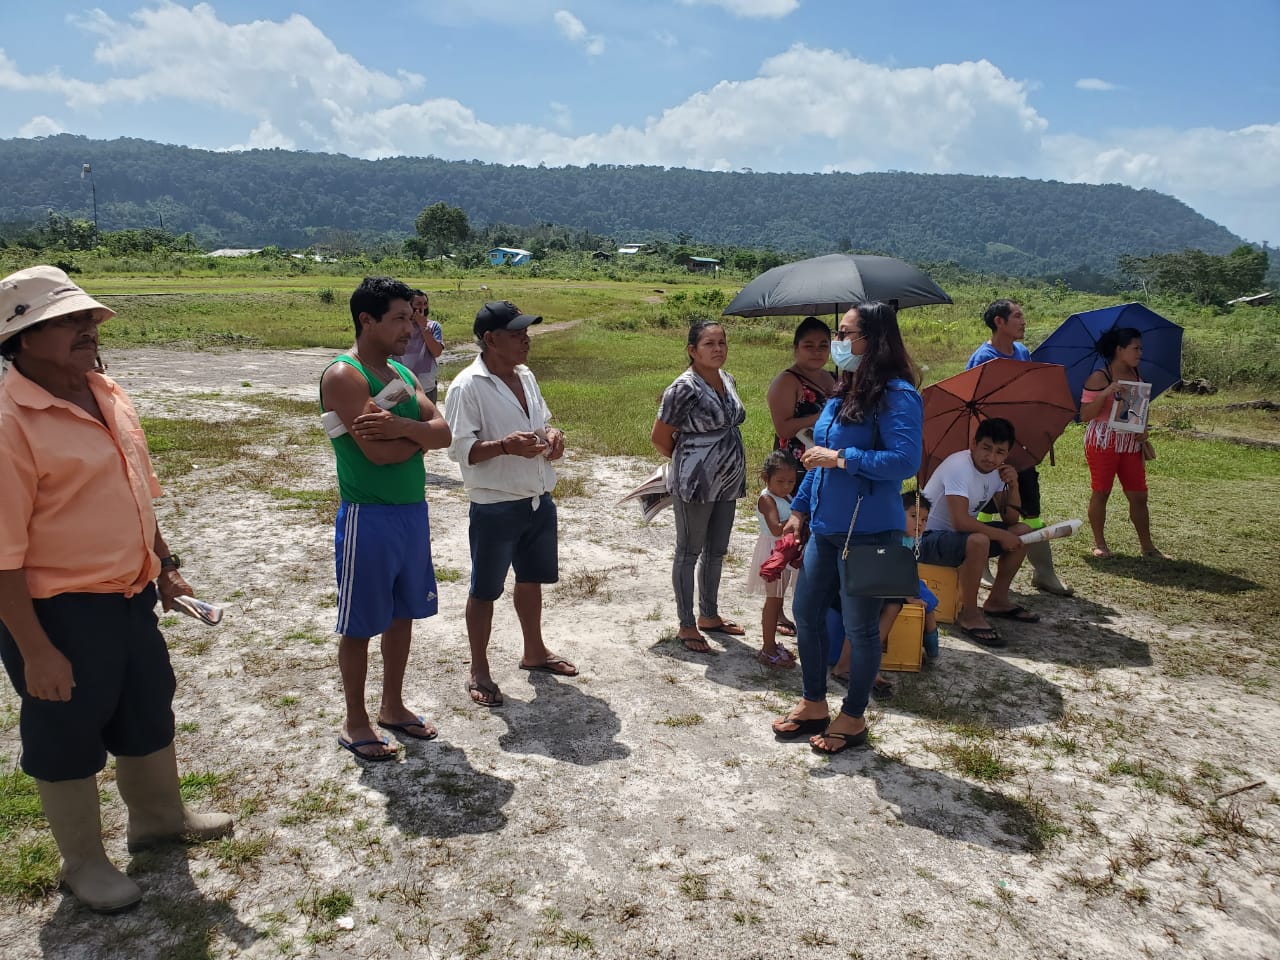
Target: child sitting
{"x": 916, "y": 506}
{"x": 772, "y": 510}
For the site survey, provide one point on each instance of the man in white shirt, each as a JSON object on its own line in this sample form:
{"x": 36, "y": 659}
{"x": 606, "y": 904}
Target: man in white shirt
{"x": 426, "y": 343}
{"x": 953, "y": 537}
{"x": 504, "y": 443}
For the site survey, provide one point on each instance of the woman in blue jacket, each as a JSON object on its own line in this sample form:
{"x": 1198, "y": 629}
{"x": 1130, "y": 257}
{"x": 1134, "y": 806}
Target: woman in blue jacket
{"x": 868, "y": 440}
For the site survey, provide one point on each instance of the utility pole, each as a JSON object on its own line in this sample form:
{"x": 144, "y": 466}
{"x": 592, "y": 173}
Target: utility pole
{"x": 87, "y": 171}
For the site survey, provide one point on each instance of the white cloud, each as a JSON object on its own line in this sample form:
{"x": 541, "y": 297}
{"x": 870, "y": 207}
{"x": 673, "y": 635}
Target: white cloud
{"x": 561, "y": 115}
{"x": 750, "y": 8}
{"x": 805, "y": 109}
{"x": 575, "y": 31}
{"x": 666, "y": 39}
{"x": 40, "y": 126}
{"x": 288, "y": 76}
{"x": 1231, "y": 176}
{"x": 1094, "y": 84}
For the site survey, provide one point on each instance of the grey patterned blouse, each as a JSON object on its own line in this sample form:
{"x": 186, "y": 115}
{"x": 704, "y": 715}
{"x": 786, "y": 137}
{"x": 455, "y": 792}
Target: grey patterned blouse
{"x": 708, "y": 462}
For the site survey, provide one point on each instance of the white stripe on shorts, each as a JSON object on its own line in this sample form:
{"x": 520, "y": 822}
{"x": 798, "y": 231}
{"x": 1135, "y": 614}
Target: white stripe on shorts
{"x": 348, "y": 566}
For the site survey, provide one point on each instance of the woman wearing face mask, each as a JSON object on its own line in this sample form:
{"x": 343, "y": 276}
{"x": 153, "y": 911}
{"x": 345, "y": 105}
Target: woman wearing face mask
{"x": 697, "y": 427}
{"x": 868, "y": 440}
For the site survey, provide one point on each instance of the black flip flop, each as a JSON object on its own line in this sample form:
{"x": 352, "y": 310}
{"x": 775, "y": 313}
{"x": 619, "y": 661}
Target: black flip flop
{"x": 406, "y": 728}
{"x": 847, "y": 740}
{"x": 984, "y": 636}
{"x": 1020, "y": 614}
{"x": 353, "y": 746}
{"x": 803, "y": 727}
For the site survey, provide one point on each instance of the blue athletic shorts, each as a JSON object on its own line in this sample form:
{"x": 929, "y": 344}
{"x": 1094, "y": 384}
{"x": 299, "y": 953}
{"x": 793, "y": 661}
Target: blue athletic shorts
{"x": 512, "y": 534}
{"x": 382, "y": 553}
{"x": 122, "y": 701}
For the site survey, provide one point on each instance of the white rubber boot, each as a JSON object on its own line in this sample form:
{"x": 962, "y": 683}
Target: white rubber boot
{"x": 1043, "y": 576}
{"x": 71, "y": 807}
{"x": 149, "y": 787}
{"x": 988, "y": 578}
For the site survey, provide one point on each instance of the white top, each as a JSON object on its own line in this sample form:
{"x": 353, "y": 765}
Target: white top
{"x": 956, "y": 476}
{"x": 784, "y": 511}
{"x": 479, "y": 406}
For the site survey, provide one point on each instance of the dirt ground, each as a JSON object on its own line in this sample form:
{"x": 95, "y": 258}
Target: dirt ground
{"x": 1058, "y": 799}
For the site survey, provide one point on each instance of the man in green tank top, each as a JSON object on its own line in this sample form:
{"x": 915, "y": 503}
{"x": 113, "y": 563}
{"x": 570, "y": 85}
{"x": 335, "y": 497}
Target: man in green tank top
{"x": 382, "y": 537}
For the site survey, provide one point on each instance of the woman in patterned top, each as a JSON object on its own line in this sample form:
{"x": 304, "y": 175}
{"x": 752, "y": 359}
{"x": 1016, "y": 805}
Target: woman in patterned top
{"x": 1111, "y": 453}
{"x": 697, "y": 427}
{"x": 798, "y": 393}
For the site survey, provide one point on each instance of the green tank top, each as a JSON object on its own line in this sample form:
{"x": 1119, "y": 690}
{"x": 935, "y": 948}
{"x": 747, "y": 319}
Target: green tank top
{"x": 360, "y": 481}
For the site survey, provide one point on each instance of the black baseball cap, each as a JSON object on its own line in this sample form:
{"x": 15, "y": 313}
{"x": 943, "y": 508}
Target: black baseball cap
{"x": 501, "y": 315}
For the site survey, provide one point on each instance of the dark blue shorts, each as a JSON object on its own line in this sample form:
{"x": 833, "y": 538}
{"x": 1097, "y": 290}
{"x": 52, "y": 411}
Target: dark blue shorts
{"x": 513, "y": 534}
{"x": 382, "y": 553}
{"x": 945, "y": 548}
{"x": 122, "y": 701}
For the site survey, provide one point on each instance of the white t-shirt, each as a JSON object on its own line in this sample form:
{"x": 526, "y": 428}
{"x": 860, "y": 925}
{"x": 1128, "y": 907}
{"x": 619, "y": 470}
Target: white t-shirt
{"x": 956, "y": 476}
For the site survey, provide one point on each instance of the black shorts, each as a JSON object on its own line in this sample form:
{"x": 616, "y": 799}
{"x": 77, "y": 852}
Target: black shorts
{"x": 122, "y": 701}
{"x": 946, "y": 548}
{"x": 1028, "y": 495}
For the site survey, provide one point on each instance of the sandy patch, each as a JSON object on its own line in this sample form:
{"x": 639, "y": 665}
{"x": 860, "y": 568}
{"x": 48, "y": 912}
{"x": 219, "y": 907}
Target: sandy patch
{"x": 644, "y": 809}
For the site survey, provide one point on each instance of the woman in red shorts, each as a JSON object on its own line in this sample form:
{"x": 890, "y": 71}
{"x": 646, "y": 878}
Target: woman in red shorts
{"x": 1114, "y": 453}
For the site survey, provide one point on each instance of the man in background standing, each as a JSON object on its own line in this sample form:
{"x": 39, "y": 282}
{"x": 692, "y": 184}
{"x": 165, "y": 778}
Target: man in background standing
{"x": 426, "y": 343}
{"x": 1008, "y": 326}
{"x": 504, "y": 442}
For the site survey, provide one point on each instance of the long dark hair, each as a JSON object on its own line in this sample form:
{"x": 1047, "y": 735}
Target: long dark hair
{"x": 1115, "y": 339}
{"x": 885, "y": 358}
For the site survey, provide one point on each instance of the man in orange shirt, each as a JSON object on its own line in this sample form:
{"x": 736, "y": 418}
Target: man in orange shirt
{"x": 79, "y": 551}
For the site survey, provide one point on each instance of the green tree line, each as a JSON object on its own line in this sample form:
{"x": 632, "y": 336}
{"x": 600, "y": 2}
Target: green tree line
{"x": 294, "y": 199}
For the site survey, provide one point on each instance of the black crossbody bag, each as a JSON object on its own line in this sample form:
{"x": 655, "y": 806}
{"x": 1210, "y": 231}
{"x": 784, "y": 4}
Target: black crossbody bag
{"x": 885, "y": 570}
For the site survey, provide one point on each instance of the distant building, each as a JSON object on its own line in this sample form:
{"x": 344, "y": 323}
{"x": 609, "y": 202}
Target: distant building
{"x": 601, "y": 255}
{"x": 630, "y": 249}
{"x": 702, "y": 264}
{"x": 512, "y": 256}
{"x": 234, "y": 252}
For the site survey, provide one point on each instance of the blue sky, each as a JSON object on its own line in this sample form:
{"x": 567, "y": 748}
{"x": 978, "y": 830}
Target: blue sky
{"x": 1180, "y": 97}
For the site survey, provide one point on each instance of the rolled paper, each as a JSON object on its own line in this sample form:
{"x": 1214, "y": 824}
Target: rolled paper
{"x": 393, "y": 393}
{"x": 201, "y": 610}
{"x": 1053, "y": 531}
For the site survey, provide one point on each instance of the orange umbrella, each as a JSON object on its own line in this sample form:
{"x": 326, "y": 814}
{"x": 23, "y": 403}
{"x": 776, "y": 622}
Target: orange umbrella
{"x": 1034, "y": 397}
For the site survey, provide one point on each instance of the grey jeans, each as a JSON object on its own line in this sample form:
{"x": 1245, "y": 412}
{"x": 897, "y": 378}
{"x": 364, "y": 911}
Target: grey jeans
{"x": 702, "y": 539}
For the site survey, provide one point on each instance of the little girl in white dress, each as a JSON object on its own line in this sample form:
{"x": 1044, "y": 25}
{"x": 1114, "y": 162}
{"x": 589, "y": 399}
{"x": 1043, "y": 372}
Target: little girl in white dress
{"x": 772, "y": 510}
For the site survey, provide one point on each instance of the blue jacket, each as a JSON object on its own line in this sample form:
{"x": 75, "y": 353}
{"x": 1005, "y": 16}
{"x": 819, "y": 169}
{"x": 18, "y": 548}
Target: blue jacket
{"x": 828, "y": 495}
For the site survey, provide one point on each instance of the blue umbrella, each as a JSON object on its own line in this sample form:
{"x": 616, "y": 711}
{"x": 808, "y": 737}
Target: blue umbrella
{"x": 1075, "y": 346}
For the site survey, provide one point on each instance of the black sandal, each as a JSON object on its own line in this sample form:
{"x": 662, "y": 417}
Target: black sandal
{"x": 810, "y": 726}
{"x": 847, "y": 740}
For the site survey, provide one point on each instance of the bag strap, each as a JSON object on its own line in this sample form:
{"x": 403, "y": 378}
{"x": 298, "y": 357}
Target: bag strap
{"x": 916, "y": 539}
{"x": 849, "y": 536}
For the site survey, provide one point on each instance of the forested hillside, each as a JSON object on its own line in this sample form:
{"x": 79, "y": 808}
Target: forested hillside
{"x": 293, "y": 199}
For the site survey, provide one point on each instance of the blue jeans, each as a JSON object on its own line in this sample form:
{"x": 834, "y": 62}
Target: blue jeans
{"x": 821, "y": 577}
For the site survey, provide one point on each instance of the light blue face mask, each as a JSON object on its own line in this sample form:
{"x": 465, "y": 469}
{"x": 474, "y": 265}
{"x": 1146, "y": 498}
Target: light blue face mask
{"x": 842, "y": 355}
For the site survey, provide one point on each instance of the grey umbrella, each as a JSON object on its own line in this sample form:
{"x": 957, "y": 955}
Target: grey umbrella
{"x": 833, "y": 284}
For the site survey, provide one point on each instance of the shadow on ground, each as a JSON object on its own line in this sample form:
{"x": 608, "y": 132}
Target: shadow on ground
{"x": 974, "y": 688}
{"x": 437, "y": 793}
{"x": 561, "y": 722}
{"x": 950, "y": 807}
{"x": 174, "y": 919}
{"x": 735, "y": 665}
{"x": 1180, "y": 574}
{"x": 1074, "y": 632}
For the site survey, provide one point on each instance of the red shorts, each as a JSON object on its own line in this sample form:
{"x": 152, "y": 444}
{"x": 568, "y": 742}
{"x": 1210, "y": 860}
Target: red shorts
{"x": 1105, "y": 464}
